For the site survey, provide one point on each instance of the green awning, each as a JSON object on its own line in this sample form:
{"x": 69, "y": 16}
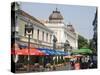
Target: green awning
{"x": 82, "y": 51}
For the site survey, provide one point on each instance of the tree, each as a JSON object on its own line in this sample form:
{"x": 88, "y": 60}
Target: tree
{"x": 82, "y": 42}
{"x": 92, "y": 46}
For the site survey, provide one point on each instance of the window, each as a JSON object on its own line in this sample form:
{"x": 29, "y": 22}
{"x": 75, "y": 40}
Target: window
{"x": 33, "y": 33}
{"x": 47, "y": 37}
{"x": 25, "y": 31}
{"x": 38, "y": 34}
{"x": 43, "y": 36}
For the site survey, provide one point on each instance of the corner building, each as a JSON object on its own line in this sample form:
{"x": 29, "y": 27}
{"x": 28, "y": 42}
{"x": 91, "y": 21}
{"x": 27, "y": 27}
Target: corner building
{"x": 62, "y": 31}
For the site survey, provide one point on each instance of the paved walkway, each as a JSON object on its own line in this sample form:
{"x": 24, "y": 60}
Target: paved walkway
{"x": 60, "y": 68}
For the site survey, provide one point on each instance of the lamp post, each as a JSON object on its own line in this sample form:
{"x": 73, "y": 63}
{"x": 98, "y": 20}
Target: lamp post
{"x": 29, "y": 32}
{"x": 66, "y": 46}
{"x": 67, "y": 49}
{"x": 54, "y": 43}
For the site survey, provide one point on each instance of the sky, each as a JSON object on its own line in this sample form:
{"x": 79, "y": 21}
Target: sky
{"x": 81, "y": 17}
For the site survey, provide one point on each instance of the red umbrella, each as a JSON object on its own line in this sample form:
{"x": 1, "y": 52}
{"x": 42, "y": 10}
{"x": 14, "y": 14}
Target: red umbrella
{"x": 32, "y": 51}
{"x": 20, "y": 52}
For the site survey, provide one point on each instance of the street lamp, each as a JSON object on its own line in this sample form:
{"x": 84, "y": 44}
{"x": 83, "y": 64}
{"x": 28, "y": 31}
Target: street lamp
{"x": 29, "y": 32}
{"x": 54, "y": 44}
{"x": 71, "y": 50}
{"x": 66, "y": 46}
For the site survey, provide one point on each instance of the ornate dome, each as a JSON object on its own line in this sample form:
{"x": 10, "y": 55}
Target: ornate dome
{"x": 56, "y": 15}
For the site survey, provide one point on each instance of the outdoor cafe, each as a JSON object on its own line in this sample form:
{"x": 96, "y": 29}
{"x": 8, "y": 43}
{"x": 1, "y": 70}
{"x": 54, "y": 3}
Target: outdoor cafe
{"x": 39, "y": 58}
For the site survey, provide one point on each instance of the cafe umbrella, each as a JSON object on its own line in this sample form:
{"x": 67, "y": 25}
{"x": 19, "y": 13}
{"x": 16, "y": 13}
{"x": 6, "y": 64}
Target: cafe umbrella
{"x": 25, "y": 51}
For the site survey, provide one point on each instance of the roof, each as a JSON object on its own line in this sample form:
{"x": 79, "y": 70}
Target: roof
{"x": 29, "y": 16}
{"x": 56, "y": 15}
{"x": 23, "y": 13}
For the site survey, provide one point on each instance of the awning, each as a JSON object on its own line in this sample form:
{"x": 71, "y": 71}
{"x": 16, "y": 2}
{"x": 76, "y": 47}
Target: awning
{"x": 82, "y": 51}
{"x": 38, "y": 51}
{"x": 61, "y": 53}
{"x": 47, "y": 51}
{"x": 52, "y": 52}
{"x": 32, "y": 51}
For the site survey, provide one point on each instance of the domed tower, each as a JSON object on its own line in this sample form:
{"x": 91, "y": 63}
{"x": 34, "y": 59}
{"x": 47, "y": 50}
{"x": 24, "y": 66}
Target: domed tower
{"x": 55, "y": 17}
{"x": 61, "y": 30}
{"x": 70, "y": 28}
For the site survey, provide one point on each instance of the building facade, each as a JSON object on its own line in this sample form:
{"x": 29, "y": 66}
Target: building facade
{"x": 41, "y": 35}
{"x": 62, "y": 31}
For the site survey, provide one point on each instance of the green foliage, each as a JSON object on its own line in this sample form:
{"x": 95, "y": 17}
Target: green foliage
{"x": 82, "y": 42}
{"x": 91, "y": 46}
